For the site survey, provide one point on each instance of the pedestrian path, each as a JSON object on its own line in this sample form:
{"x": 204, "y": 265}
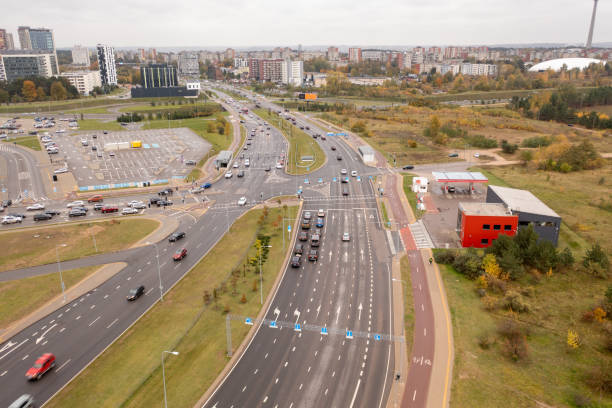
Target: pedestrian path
{"x": 420, "y": 235}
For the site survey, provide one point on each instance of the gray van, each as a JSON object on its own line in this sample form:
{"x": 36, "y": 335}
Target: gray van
{"x": 25, "y": 401}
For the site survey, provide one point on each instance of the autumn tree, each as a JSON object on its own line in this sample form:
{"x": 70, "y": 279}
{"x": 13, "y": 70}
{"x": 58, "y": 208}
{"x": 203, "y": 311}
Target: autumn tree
{"x": 29, "y": 91}
{"x": 58, "y": 92}
{"x": 5, "y": 97}
{"x": 40, "y": 93}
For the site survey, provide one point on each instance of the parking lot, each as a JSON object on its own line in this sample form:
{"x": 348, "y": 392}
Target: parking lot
{"x": 162, "y": 155}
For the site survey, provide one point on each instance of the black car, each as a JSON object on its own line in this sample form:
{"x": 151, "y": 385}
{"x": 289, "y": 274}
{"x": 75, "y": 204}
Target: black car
{"x": 268, "y": 168}
{"x": 306, "y": 224}
{"x": 164, "y": 203}
{"x": 191, "y": 163}
{"x": 451, "y": 189}
{"x": 154, "y": 200}
{"x": 136, "y": 293}
{"x": 52, "y": 212}
{"x": 296, "y": 261}
{"x": 165, "y": 191}
{"x": 240, "y": 173}
{"x": 299, "y": 249}
{"x": 408, "y": 167}
{"x": 42, "y": 217}
{"x": 94, "y": 147}
{"x": 339, "y": 158}
{"x": 313, "y": 255}
{"x": 105, "y": 132}
{"x": 22, "y": 216}
{"x": 176, "y": 236}
{"x": 7, "y": 203}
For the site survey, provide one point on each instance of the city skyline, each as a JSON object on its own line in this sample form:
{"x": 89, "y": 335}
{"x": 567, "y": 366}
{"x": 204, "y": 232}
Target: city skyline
{"x": 215, "y": 24}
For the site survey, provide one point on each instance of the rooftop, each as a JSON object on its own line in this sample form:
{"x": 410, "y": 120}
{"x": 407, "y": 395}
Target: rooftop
{"x": 365, "y": 149}
{"x": 490, "y": 209}
{"x": 522, "y": 201}
{"x": 570, "y": 63}
{"x": 459, "y": 177}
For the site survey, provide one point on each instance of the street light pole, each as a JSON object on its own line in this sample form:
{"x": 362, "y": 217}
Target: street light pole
{"x": 260, "y": 274}
{"x": 176, "y": 353}
{"x": 59, "y": 270}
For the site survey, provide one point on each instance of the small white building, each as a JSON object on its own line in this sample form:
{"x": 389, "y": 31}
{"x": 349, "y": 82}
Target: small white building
{"x": 419, "y": 184}
{"x": 83, "y": 81}
{"x": 367, "y": 154}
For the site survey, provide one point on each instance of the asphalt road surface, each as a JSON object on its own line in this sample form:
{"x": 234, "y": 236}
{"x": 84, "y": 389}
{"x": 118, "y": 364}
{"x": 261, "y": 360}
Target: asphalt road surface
{"x": 22, "y": 177}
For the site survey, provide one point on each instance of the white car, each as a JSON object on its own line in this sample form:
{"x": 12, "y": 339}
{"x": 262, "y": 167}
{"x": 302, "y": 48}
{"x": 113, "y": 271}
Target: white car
{"x": 343, "y": 172}
{"x": 78, "y": 203}
{"x": 35, "y": 207}
{"x": 196, "y": 190}
{"x": 129, "y": 210}
{"x": 235, "y": 165}
{"x": 61, "y": 170}
{"x": 60, "y": 131}
{"x": 346, "y": 236}
{"x": 321, "y": 213}
{"x": 279, "y": 166}
{"x": 228, "y": 175}
{"x": 354, "y": 173}
{"x": 242, "y": 201}
{"x": 137, "y": 204}
{"x": 9, "y": 219}
{"x": 247, "y": 163}
{"x": 477, "y": 155}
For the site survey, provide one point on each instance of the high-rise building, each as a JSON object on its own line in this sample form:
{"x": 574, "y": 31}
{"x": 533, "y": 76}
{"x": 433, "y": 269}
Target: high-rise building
{"x": 266, "y": 69}
{"x": 80, "y": 55}
{"x": 158, "y": 76}
{"x": 106, "y": 62}
{"x": 188, "y": 65}
{"x": 230, "y": 53}
{"x": 10, "y": 43}
{"x": 333, "y": 54}
{"x": 24, "y": 38}
{"x": 152, "y": 54}
{"x": 36, "y": 38}
{"x": 292, "y": 72}
{"x": 6, "y": 40}
{"x": 355, "y": 54}
{"x": 24, "y": 63}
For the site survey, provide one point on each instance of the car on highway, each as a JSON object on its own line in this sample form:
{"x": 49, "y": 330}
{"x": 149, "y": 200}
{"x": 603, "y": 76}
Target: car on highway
{"x": 42, "y": 217}
{"x": 61, "y": 170}
{"x": 242, "y": 201}
{"x": 307, "y": 215}
{"x": 476, "y": 155}
{"x": 139, "y": 205}
{"x": 196, "y": 190}
{"x": 180, "y": 254}
{"x": 354, "y": 173}
{"x": 247, "y": 163}
{"x": 451, "y": 189}
{"x": 240, "y": 173}
{"x": 135, "y": 293}
{"x": 299, "y": 249}
{"x": 236, "y": 165}
{"x": 175, "y": 236}
{"x": 321, "y": 213}
{"x": 343, "y": 172}
{"x": 109, "y": 209}
{"x": 24, "y": 401}
{"x": 345, "y": 190}
{"x": 268, "y": 168}
{"x": 206, "y": 185}
{"x": 165, "y": 192}
{"x": 77, "y": 212}
{"x": 52, "y": 212}
{"x": 346, "y": 236}
{"x": 333, "y": 147}
{"x": 43, "y": 364}
{"x": 7, "y": 203}
{"x": 313, "y": 255}
{"x": 344, "y": 179}
{"x": 164, "y": 203}
{"x": 228, "y": 175}
{"x": 191, "y": 162}
{"x": 35, "y": 207}
{"x": 129, "y": 210}
{"x": 339, "y": 158}
{"x": 77, "y": 203}
{"x": 408, "y": 167}
{"x": 303, "y": 236}
{"x": 154, "y": 200}
{"x": 98, "y": 206}
{"x": 279, "y": 165}
{"x": 95, "y": 199}
{"x": 9, "y": 219}
{"x": 18, "y": 215}
{"x": 320, "y": 223}
{"x": 315, "y": 239}
{"x": 305, "y": 223}
{"x": 296, "y": 261}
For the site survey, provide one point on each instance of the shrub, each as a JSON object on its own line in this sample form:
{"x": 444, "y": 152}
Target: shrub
{"x": 508, "y": 148}
{"x": 515, "y": 343}
{"x": 481, "y": 141}
{"x": 485, "y": 341}
{"x": 600, "y": 377}
{"x": 243, "y": 299}
{"x": 581, "y": 400}
{"x": 596, "y": 255}
{"x": 359, "y": 127}
{"x": 588, "y": 316}
{"x": 445, "y": 256}
{"x": 468, "y": 263}
{"x": 514, "y": 301}
{"x": 536, "y": 141}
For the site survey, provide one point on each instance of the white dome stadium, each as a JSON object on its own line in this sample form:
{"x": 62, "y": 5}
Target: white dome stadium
{"x": 571, "y": 63}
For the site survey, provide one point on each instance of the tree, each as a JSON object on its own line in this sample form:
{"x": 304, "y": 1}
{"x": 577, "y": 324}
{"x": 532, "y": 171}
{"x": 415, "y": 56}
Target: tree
{"x": 40, "y": 93}
{"x": 573, "y": 340}
{"x": 490, "y": 266}
{"x": 29, "y": 91}
{"x": 58, "y": 92}
{"x": 4, "y": 96}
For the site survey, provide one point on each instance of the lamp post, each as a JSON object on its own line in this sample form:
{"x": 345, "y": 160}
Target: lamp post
{"x": 260, "y": 275}
{"x": 161, "y": 292}
{"x": 176, "y": 353}
{"x": 59, "y": 270}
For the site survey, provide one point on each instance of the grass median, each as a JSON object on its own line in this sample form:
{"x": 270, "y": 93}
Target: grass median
{"x": 94, "y": 124}
{"x": 410, "y": 195}
{"x": 27, "y": 141}
{"x": 190, "y": 320}
{"x": 36, "y": 246}
{"x": 300, "y": 145}
{"x": 408, "y": 304}
{"x": 20, "y": 297}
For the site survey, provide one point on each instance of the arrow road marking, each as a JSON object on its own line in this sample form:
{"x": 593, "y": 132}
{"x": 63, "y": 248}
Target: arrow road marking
{"x": 42, "y": 336}
{"x": 337, "y": 314}
{"x": 360, "y": 307}
{"x": 318, "y": 310}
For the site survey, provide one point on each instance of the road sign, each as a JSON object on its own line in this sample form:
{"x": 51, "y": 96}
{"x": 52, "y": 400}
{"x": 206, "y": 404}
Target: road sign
{"x": 324, "y": 331}
{"x": 273, "y": 324}
{"x": 370, "y": 177}
{"x": 358, "y": 178}
{"x": 248, "y": 321}
{"x": 377, "y": 337}
{"x": 288, "y": 228}
{"x": 320, "y": 180}
{"x": 306, "y": 181}
{"x": 349, "y": 334}
{"x": 334, "y": 179}
{"x": 297, "y": 327}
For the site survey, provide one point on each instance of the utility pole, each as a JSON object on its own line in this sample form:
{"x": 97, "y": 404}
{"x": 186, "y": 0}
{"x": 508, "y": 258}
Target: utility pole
{"x": 590, "y": 38}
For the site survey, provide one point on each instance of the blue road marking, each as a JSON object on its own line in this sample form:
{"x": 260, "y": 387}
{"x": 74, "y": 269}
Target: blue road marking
{"x": 377, "y": 337}
{"x": 334, "y": 179}
{"x": 324, "y": 330}
{"x": 289, "y": 228}
{"x": 297, "y": 327}
{"x": 358, "y": 178}
{"x": 349, "y": 334}
{"x": 146, "y": 146}
{"x": 320, "y": 180}
{"x": 306, "y": 181}
{"x": 155, "y": 145}
{"x": 273, "y": 324}
{"x": 248, "y": 321}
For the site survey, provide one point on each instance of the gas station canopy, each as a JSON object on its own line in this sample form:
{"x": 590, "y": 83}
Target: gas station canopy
{"x": 459, "y": 177}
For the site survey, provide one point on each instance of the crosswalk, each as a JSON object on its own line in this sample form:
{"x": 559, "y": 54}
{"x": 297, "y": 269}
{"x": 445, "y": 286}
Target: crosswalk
{"x": 420, "y": 235}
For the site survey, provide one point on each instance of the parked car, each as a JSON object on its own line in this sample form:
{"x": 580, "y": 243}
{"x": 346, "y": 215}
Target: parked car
{"x": 129, "y": 210}
{"x": 42, "y": 217}
{"x": 43, "y": 364}
{"x": 175, "y": 236}
{"x": 191, "y": 162}
{"x": 408, "y": 167}
{"x": 296, "y": 261}
{"x": 228, "y": 174}
{"x": 313, "y": 255}
{"x": 196, "y": 190}
{"x": 453, "y": 155}
{"x": 166, "y": 191}
{"x": 154, "y": 200}
{"x": 109, "y": 209}
{"x": 135, "y": 293}
{"x": 7, "y": 203}
{"x": 35, "y": 207}
{"x": 61, "y": 170}
{"x": 242, "y": 201}
{"x": 180, "y": 254}
{"x": 451, "y": 189}
{"x": 95, "y": 199}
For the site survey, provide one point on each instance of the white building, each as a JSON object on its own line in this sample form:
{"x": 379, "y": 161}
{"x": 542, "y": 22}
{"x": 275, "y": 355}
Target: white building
{"x": 80, "y": 55}
{"x": 292, "y": 72}
{"x": 241, "y": 62}
{"x": 372, "y": 55}
{"x": 188, "y": 66}
{"x": 83, "y": 81}
{"x": 106, "y": 62}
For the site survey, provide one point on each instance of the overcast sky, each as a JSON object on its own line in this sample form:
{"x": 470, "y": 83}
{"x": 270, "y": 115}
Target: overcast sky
{"x": 242, "y": 23}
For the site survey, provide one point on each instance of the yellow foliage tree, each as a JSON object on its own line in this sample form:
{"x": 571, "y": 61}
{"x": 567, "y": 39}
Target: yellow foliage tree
{"x": 29, "y": 91}
{"x": 482, "y": 282}
{"x": 573, "y": 340}
{"x": 599, "y": 314}
{"x": 491, "y": 267}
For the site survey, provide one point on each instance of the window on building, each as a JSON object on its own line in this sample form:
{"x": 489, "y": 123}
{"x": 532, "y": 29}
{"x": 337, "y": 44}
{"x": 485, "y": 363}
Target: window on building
{"x": 484, "y": 241}
{"x": 497, "y": 227}
{"x": 507, "y": 227}
{"x": 486, "y": 227}
{"x": 524, "y": 223}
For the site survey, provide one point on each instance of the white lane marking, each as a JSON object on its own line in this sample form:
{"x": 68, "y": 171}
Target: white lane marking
{"x": 149, "y": 291}
{"x": 105, "y": 296}
{"x": 355, "y": 393}
{"x": 24, "y": 357}
{"x": 265, "y": 399}
{"x": 62, "y": 366}
{"x": 42, "y": 336}
{"x": 114, "y": 321}
{"x": 422, "y": 307}
{"x": 92, "y": 306}
{"x": 164, "y": 264}
{"x": 3, "y": 373}
{"x": 62, "y": 329}
{"x": 414, "y": 395}
{"x": 244, "y": 388}
{"x": 91, "y": 324}
{"x": 425, "y": 332}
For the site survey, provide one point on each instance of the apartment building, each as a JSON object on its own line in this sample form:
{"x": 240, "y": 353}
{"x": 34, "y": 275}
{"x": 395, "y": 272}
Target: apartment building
{"x": 83, "y": 81}
{"x": 266, "y": 69}
{"x": 106, "y": 62}
{"x": 372, "y": 55}
{"x": 292, "y": 72}
{"x": 80, "y": 55}
{"x": 6, "y": 40}
{"x": 24, "y": 63}
{"x": 188, "y": 65}
{"x": 333, "y": 54}
{"x": 354, "y": 54}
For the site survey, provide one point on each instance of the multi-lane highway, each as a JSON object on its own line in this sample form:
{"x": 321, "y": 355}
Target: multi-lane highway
{"x": 20, "y": 177}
